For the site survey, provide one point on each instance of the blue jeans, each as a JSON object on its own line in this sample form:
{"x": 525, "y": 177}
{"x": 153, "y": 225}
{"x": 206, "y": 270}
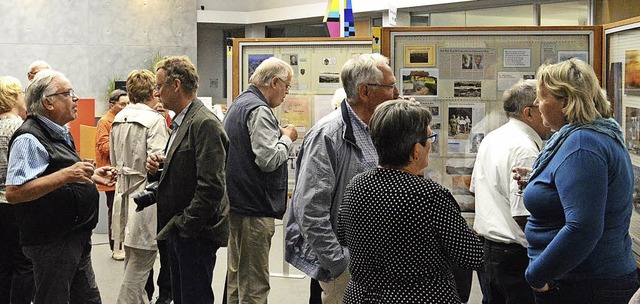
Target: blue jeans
{"x": 191, "y": 262}
{"x": 593, "y": 291}
{"x": 63, "y": 272}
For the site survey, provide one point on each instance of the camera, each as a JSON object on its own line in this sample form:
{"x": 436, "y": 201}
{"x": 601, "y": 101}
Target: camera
{"x": 147, "y": 197}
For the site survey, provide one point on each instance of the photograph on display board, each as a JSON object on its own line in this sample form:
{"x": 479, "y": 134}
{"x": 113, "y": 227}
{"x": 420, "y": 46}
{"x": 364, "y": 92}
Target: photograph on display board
{"x": 296, "y": 110}
{"x": 566, "y": 55}
{"x": 328, "y": 77}
{"x": 467, "y": 63}
{"x": 632, "y": 130}
{"x": 436, "y": 123}
{"x": 459, "y": 170}
{"x": 478, "y": 62}
{"x": 254, "y": 60}
{"x": 468, "y": 88}
{"x": 419, "y": 56}
{"x": 462, "y": 119}
{"x": 419, "y": 82}
{"x": 632, "y": 72}
{"x": 475, "y": 139}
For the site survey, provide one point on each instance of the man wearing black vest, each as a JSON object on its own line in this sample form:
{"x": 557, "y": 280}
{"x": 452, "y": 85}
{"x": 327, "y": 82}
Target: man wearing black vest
{"x": 256, "y": 179}
{"x": 54, "y": 195}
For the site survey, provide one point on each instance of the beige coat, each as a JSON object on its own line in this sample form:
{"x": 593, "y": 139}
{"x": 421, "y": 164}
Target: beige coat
{"x": 137, "y": 132}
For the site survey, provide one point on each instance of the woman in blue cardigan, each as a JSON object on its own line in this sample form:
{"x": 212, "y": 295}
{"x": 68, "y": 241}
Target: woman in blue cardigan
{"x": 580, "y": 195}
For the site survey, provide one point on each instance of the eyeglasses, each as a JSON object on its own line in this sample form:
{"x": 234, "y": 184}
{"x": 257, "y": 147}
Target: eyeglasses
{"x": 159, "y": 86}
{"x": 388, "y": 86}
{"x": 433, "y": 137}
{"x": 285, "y": 83}
{"x": 69, "y": 93}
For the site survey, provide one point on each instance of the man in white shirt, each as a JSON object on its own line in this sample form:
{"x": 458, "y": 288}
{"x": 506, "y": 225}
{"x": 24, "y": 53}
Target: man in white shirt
{"x": 500, "y": 212}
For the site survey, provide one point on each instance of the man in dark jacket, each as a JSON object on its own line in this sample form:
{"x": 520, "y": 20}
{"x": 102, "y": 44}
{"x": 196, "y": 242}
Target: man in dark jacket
{"x": 192, "y": 197}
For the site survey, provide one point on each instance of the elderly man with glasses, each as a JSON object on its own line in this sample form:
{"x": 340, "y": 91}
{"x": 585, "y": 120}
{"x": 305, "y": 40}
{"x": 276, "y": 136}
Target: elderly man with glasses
{"x": 54, "y": 195}
{"x": 500, "y": 212}
{"x": 336, "y": 149}
{"x": 256, "y": 179}
{"x": 36, "y": 67}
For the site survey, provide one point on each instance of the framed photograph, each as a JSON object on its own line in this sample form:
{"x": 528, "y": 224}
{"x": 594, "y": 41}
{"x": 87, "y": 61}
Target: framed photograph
{"x": 419, "y": 56}
{"x": 632, "y": 72}
{"x": 419, "y": 82}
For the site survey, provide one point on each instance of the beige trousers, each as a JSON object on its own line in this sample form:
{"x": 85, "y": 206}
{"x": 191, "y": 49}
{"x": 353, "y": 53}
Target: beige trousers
{"x": 333, "y": 292}
{"x": 137, "y": 266}
{"x": 248, "y": 259}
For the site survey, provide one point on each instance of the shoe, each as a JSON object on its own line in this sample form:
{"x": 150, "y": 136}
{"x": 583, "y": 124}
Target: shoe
{"x": 118, "y": 255}
{"x": 162, "y": 300}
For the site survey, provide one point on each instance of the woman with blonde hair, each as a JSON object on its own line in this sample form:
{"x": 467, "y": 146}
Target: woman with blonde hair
{"x": 579, "y": 194}
{"x": 16, "y": 270}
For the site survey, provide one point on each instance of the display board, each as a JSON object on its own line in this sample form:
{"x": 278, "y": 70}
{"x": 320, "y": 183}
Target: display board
{"x": 460, "y": 75}
{"x": 316, "y": 64}
{"x": 622, "y": 64}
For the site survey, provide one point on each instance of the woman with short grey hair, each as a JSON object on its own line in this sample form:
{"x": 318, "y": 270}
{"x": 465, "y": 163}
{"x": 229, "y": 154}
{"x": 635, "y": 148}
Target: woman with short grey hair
{"x": 403, "y": 231}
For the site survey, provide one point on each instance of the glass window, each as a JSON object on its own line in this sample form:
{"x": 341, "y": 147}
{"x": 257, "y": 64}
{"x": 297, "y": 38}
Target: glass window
{"x": 566, "y": 13}
{"x": 500, "y": 16}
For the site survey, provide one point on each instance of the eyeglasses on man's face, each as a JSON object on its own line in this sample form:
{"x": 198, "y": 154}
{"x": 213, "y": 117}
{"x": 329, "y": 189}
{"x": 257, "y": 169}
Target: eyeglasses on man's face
{"x": 288, "y": 86}
{"x": 70, "y": 93}
{"x": 388, "y": 86}
{"x": 433, "y": 137}
{"x": 159, "y": 86}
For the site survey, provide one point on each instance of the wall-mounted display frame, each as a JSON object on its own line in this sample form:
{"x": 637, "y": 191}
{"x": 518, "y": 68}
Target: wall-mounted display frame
{"x": 469, "y": 69}
{"x": 622, "y": 65}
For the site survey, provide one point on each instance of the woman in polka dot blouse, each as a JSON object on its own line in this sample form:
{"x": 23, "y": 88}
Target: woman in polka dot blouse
{"x": 403, "y": 231}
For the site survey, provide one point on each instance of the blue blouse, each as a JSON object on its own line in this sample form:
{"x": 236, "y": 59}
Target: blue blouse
{"x": 580, "y": 206}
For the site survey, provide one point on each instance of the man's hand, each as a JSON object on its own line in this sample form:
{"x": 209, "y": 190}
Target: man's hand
{"x": 106, "y": 175}
{"x": 153, "y": 163}
{"x": 522, "y": 175}
{"x": 80, "y": 172}
{"x": 290, "y": 131}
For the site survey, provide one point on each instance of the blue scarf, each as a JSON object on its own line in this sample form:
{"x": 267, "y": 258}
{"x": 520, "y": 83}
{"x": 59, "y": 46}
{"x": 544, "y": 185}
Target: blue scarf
{"x": 606, "y": 126}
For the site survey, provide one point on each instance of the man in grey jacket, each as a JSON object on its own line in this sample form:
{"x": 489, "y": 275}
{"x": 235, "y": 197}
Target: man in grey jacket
{"x": 337, "y": 148}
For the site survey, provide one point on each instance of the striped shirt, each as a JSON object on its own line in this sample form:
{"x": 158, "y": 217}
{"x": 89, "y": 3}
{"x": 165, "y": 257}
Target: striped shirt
{"x": 28, "y": 158}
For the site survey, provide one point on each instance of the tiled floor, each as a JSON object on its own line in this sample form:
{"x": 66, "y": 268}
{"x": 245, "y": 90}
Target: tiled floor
{"x": 293, "y": 289}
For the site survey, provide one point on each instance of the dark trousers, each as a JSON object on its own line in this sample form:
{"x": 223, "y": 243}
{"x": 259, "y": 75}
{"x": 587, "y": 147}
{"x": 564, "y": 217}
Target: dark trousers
{"x": 110, "y": 195}
{"x": 192, "y": 261}
{"x": 505, "y": 265}
{"x": 164, "y": 277}
{"x": 464, "y": 280}
{"x": 315, "y": 292}
{"x": 16, "y": 270}
{"x": 63, "y": 271}
{"x": 592, "y": 291}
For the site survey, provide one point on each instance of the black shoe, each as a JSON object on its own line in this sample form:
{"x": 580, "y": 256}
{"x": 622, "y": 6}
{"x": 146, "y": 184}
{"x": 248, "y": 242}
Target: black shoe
{"x": 162, "y": 300}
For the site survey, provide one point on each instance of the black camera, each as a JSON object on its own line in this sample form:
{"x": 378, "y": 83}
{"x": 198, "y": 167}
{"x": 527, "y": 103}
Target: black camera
{"x": 147, "y": 197}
